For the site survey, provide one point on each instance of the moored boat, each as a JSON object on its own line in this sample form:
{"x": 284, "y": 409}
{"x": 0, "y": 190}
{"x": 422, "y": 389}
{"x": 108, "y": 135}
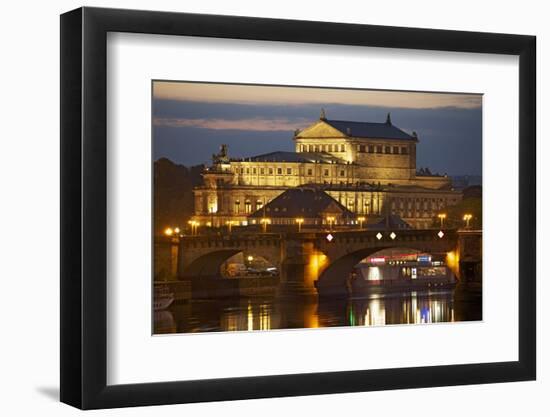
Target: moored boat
{"x": 368, "y": 279}
{"x": 163, "y": 298}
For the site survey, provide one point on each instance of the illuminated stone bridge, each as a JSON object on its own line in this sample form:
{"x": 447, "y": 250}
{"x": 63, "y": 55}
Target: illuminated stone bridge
{"x": 309, "y": 263}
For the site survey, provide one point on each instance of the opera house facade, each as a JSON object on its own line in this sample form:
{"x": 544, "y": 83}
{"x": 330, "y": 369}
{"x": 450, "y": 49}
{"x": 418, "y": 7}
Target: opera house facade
{"x": 367, "y": 169}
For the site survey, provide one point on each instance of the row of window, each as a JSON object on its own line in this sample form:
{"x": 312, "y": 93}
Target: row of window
{"x": 326, "y": 172}
{"x": 428, "y": 204}
{"x": 247, "y": 206}
{"x": 396, "y": 150}
{"x": 403, "y": 150}
{"x": 279, "y": 171}
{"x": 323, "y": 148}
{"x": 270, "y": 171}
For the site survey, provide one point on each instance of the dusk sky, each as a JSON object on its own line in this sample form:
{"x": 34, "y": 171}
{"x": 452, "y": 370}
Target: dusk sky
{"x": 191, "y": 120}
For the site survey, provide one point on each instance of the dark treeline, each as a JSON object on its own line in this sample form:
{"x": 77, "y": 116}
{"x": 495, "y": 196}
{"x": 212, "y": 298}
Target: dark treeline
{"x": 173, "y": 193}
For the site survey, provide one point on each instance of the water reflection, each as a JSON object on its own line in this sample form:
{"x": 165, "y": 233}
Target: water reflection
{"x": 248, "y": 314}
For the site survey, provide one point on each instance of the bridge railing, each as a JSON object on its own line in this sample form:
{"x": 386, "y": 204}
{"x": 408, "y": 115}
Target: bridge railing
{"x": 235, "y": 240}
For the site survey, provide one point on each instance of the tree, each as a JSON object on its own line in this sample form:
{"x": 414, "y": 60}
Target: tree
{"x": 471, "y": 204}
{"x": 173, "y": 193}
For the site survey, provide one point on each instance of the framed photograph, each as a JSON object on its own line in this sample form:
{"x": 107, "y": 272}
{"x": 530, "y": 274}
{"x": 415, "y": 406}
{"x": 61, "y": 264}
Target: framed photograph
{"x": 256, "y": 208}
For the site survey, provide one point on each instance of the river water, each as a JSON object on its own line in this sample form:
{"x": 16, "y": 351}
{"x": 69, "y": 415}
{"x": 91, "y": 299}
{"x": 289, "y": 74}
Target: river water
{"x": 266, "y": 313}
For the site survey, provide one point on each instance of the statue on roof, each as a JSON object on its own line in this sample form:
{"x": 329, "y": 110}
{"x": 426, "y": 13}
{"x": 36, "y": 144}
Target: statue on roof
{"x": 222, "y": 157}
{"x": 388, "y": 119}
{"x": 323, "y": 115}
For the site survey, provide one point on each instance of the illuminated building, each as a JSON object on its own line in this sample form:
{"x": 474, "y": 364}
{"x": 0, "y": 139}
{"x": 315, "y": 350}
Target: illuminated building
{"x": 310, "y": 205}
{"x": 368, "y": 168}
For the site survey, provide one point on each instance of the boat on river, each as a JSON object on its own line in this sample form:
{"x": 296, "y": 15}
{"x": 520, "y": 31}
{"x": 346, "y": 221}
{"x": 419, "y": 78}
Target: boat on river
{"x": 371, "y": 279}
{"x": 163, "y": 298}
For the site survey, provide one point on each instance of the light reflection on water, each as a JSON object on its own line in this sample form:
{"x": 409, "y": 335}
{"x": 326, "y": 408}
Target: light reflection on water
{"x": 246, "y": 314}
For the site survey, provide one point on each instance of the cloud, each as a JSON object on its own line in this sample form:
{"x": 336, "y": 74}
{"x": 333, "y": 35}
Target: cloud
{"x": 255, "y": 124}
{"x": 296, "y": 96}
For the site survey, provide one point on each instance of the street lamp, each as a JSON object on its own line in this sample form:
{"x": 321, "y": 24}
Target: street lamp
{"x": 361, "y": 220}
{"x": 194, "y": 226}
{"x": 264, "y": 221}
{"x": 467, "y": 217}
{"x": 177, "y": 230}
{"x": 330, "y": 220}
{"x": 211, "y": 216}
{"x": 168, "y": 231}
{"x": 442, "y": 216}
{"x": 230, "y": 223}
{"x": 299, "y": 221}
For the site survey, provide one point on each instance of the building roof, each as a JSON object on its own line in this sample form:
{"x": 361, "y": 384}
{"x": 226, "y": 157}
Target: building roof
{"x": 302, "y": 202}
{"x": 390, "y": 222}
{"x": 280, "y": 156}
{"x": 370, "y": 130}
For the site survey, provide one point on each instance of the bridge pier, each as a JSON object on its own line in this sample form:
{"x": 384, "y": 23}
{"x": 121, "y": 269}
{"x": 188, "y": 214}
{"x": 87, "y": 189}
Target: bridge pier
{"x": 297, "y": 273}
{"x": 469, "y": 258}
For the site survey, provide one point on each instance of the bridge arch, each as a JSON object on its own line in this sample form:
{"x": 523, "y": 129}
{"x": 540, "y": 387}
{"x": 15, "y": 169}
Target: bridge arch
{"x": 208, "y": 264}
{"x": 333, "y": 279}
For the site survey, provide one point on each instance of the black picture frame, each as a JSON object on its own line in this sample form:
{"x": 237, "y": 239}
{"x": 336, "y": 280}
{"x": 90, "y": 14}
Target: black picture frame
{"x": 84, "y": 207}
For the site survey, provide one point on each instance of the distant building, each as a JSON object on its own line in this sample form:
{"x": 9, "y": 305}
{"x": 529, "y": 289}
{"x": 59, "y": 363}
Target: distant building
{"x": 368, "y": 168}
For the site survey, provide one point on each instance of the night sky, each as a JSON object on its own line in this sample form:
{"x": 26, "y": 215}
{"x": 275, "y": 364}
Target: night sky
{"x": 191, "y": 120}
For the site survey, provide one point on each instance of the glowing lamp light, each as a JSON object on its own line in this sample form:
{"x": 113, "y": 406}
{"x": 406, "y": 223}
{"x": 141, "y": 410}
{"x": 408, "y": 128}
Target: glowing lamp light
{"x": 441, "y": 234}
{"x": 441, "y": 216}
{"x": 299, "y": 221}
{"x": 250, "y": 258}
{"x": 177, "y": 230}
{"x": 265, "y": 221}
{"x": 379, "y": 236}
{"x": 393, "y": 235}
{"x": 168, "y": 231}
{"x": 330, "y": 237}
